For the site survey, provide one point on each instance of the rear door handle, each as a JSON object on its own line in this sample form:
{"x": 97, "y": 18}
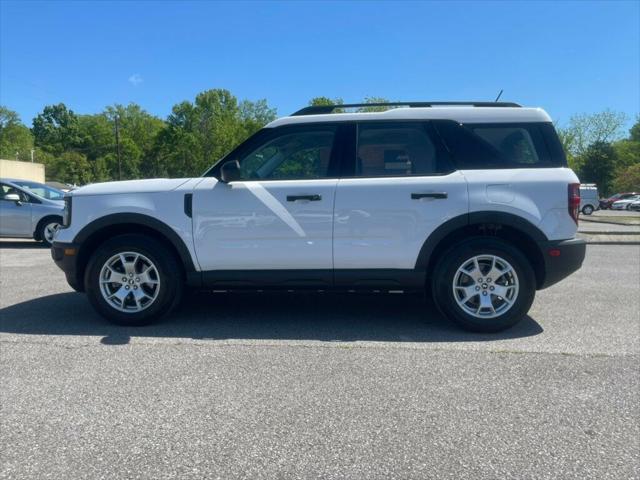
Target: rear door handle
{"x": 437, "y": 195}
{"x": 311, "y": 198}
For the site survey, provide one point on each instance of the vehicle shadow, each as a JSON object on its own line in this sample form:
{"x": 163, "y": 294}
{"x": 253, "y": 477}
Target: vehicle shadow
{"x": 260, "y": 316}
{"x": 22, "y": 244}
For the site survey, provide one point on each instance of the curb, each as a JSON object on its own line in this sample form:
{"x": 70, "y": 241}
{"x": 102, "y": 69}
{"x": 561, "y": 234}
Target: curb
{"x": 605, "y": 239}
{"x": 611, "y": 222}
{"x": 608, "y": 233}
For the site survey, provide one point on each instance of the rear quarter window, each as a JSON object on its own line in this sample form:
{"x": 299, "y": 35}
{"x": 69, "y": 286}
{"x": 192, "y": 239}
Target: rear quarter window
{"x": 501, "y": 145}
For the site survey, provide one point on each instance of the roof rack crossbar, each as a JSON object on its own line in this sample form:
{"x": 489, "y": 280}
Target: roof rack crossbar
{"x": 323, "y": 109}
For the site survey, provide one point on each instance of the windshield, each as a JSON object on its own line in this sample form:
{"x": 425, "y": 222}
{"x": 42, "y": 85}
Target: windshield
{"x": 42, "y": 190}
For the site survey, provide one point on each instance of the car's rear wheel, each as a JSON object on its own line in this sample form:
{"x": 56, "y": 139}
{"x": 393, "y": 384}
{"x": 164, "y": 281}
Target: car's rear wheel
{"x": 587, "y": 209}
{"x": 133, "y": 280}
{"x": 484, "y": 285}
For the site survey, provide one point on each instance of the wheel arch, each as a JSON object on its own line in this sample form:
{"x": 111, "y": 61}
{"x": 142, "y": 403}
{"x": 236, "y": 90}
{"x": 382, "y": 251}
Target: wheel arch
{"x": 97, "y": 232}
{"x": 519, "y": 232}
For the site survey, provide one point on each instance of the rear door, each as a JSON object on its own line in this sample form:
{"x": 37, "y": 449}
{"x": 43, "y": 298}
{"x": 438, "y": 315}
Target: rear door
{"x": 402, "y": 188}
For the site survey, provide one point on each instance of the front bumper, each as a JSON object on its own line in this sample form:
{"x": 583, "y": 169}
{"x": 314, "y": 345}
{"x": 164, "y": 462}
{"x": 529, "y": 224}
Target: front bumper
{"x": 561, "y": 259}
{"x": 66, "y": 256}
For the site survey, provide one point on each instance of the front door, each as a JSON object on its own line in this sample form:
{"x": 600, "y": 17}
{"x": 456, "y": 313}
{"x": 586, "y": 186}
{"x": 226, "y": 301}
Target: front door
{"x": 279, "y": 216}
{"x": 15, "y": 217}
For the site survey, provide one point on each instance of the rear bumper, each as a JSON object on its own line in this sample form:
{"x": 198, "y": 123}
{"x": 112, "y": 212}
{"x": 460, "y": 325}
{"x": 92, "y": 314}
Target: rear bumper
{"x": 561, "y": 259}
{"x": 66, "y": 256}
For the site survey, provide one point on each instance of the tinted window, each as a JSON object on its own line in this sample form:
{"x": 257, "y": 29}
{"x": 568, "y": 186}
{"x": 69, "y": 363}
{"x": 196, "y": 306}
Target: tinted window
{"x": 514, "y": 143}
{"x": 479, "y": 146}
{"x": 304, "y": 154}
{"x": 396, "y": 149}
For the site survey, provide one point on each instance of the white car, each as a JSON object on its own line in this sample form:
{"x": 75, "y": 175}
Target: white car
{"x": 625, "y": 204}
{"x": 472, "y": 202}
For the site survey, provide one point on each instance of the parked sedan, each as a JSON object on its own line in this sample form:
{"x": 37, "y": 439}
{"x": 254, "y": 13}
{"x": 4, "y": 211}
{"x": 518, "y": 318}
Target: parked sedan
{"x": 30, "y": 210}
{"x": 608, "y": 202}
{"x": 624, "y": 204}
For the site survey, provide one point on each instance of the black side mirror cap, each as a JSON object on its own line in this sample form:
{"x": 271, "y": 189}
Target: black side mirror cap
{"x": 230, "y": 171}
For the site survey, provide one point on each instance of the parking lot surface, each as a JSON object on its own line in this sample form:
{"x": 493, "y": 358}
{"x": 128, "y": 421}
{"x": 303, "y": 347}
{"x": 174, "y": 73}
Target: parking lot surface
{"x": 240, "y": 385}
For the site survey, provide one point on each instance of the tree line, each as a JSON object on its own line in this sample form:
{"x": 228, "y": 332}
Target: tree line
{"x": 79, "y": 149}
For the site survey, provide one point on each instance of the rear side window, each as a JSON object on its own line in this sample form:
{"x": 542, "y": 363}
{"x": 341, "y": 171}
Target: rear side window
{"x": 514, "y": 143}
{"x": 395, "y": 149}
{"x": 500, "y": 145}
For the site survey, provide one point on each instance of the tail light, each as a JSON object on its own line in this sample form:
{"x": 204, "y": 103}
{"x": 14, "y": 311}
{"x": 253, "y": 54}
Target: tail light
{"x": 574, "y": 201}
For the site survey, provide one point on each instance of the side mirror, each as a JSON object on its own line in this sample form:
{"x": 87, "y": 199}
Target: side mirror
{"x": 13, "y": 197}
{"x": 230, "y": 171}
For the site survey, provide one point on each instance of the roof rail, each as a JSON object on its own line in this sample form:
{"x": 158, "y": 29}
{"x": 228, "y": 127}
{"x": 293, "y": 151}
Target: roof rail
{"x": 322, "y": 109}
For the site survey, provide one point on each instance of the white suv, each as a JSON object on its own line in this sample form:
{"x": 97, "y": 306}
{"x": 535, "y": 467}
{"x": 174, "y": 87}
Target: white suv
{"x": 472, "y": 201}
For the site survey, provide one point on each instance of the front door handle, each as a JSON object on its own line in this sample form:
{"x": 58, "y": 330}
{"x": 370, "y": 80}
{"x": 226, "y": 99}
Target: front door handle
{"x": 437, "y": 195}
{"x": 311, "y": 198}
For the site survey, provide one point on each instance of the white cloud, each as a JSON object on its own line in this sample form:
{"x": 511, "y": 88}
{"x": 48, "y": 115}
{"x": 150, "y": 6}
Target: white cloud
{"x": 135, "y": 79}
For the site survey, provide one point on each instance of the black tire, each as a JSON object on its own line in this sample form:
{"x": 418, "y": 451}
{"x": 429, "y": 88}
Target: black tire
{"x": 40, "y": 234}
{"x": 442, "y": 282}
{"x": 587, "y": 209}
{"x": 169, "y": 273}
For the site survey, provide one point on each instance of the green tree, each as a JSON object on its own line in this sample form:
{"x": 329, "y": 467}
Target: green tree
{"x": 198, "y": 134}
{"x": 138, "y": 131}
{"x": 628, "y": 180}
{"x": 70, "y": 167}
{"x": 16, "y": 141}
{"x": 96, "y": 140}
{"x": 374, "y": 100}
{"x": 55, "y": 130}
{"x": 597, "y": 166}
{"x": 319, "y": 101}
{"x": 585, "y": 129}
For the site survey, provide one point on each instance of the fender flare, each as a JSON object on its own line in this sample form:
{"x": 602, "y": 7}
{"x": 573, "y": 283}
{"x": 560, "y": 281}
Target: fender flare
{"x": 139, "y": 219}
{"x": 476, "y": 218}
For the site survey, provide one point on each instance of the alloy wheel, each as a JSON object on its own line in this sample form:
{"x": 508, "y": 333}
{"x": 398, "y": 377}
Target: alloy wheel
{"x": 485, "y": 286}
{"x": 129, "y": 282}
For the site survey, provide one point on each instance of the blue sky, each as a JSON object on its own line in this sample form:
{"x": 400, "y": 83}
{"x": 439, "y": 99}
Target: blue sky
{"x": 567, "y": 57}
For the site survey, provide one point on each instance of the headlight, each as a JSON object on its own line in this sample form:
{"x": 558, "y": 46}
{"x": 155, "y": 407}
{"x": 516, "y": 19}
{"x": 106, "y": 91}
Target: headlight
{"x": 66, "y": 213}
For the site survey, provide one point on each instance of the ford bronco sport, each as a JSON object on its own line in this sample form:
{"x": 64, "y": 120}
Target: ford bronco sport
{"x": 470, "y": 201}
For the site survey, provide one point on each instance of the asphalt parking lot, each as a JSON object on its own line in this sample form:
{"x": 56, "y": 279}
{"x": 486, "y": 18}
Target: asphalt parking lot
{"x": 320, "y": 385}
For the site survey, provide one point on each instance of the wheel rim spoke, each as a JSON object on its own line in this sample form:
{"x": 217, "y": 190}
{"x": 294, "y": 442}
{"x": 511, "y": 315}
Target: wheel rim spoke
{"x": 469, "y": 292}
{"x": 145, "y": 277}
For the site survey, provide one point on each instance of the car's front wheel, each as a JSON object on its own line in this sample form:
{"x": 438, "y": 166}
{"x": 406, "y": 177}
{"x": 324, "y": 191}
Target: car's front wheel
{"x": 484, "y": 284}
{"x": 47, "y": 230}
{"x": 587, "y": 209}
{"x": 133, "y": 280}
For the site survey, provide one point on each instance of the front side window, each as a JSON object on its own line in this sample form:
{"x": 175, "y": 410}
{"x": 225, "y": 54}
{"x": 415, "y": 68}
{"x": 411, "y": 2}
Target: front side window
{"x": 301, "y": 154}
{"x": 395, "y": 149}
{"x": 8, "y": 189}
